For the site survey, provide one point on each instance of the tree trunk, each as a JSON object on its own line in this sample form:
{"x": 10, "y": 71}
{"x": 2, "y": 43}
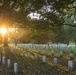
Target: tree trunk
{"x": 5, "y": 39}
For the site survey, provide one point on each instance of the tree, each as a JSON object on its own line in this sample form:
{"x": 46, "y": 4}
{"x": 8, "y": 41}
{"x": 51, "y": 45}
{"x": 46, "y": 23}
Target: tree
{"x": 14, "y": 13}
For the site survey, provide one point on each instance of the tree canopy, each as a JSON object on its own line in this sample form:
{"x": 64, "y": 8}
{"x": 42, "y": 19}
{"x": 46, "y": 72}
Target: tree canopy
{"x": 15, "y": 12}
{"x": 52, "y": 16}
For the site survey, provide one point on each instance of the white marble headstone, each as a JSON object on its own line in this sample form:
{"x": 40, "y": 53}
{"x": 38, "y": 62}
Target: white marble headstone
{"x": 3, "y": 60}
{"x": 36, "y": 56}
{"x": 29, "y": 54}
{"x": 44, "y": 59}
{"x": 15, "y": 68}
{"x": 71, "y": 55}
{"x": 55, "y": 62}
{"x": 61, "y": 53}
{"x": 8, "y": 63}
{"x": 70, "y": 65}
{"x": 52, "y": 52}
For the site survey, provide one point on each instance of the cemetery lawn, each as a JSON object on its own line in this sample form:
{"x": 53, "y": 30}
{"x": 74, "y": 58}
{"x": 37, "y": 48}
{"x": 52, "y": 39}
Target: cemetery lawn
{"x": 31, "y": 66}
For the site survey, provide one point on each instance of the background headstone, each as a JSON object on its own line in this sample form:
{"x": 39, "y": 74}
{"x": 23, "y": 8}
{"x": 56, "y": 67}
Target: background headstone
{"x": 8, "y": 63}
{"x": 70, "y": 65}
{"x": 55, "y": 62}
{"x": 44, "y": 59}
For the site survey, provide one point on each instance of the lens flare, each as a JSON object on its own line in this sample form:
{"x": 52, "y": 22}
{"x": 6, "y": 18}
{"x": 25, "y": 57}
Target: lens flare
{"x": 3, "y": 30}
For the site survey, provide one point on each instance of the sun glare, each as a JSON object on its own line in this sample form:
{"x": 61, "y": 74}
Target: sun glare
{"x": 3, "y": 30}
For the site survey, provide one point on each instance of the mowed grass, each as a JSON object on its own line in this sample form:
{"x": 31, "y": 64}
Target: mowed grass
{"x": 32, "y": 66}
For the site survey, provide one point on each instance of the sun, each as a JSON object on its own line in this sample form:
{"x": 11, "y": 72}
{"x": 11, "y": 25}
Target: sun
{"x": 3, "y": 30}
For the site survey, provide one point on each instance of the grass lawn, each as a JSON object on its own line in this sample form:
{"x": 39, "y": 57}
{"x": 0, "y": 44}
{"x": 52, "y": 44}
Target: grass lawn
{"x": 31, "y": 66}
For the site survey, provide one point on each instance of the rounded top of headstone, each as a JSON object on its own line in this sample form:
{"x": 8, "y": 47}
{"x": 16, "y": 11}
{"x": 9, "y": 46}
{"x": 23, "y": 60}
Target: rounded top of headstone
{"x": 15, "y": 63}
{"x": 44, "y": 56}
{"x": 55, "y": 58}
{"x": 8, "y": 59}
{"x": 3, "y": 56}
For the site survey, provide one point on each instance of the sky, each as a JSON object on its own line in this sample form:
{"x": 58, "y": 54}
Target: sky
{"x": 34, "y": 15}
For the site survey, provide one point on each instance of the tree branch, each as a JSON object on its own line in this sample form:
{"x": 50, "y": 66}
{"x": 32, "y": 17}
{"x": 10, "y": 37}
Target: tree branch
{"x": 70, "y": 25}
{"x": 13, "y": 5}
{"x": 62, "y": 24}
{"x": 31, "y": 5}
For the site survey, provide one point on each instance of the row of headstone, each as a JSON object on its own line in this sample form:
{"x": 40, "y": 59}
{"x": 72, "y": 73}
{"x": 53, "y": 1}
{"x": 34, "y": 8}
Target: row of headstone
{"x": 45, "y": 47}
{"x": 9, "y": 64}
{"x": 70, "y": 63}
{"x": 44, "y": 59}
{"x": 52, "y": 53}
{"x": 61, "y": 54}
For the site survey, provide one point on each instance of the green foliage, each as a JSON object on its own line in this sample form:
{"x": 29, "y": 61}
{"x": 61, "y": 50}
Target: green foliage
{"x": 14, "y": 13}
